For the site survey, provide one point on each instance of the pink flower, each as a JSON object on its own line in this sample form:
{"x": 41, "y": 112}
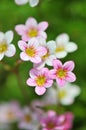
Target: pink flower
{"x": 52, "y": 121}
{"x": 40, "y": 79}
{"x": 32, "y": 29}
{"x": 63, "y": 73}
{"x": 31, "y": 51}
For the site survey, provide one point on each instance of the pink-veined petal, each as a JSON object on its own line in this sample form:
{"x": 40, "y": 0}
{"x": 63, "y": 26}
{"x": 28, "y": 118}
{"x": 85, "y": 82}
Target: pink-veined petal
{"x": 35, "y": 59}
{"x": 69, "y": 66}
{"x": 34, "y": 73}
{"x": 31, "y": 22}
{"x": 70, "y": 77}
{"x": 57, "y": 64}
{"x": 48, "y": 83}
{"x": 24, "y": 56}
{"x": 20, "y": 29}
{"x": 22, "y": 45}
{"x": 40, "y": 90}
{"x": 31, "y": 82}
{"x": 60, "y": 82}
{"x": 41, "y": 51}
{"x": 25, "y": 37}
{"x": 42, "y": 34}
{"x": 42, "y": 26}
{"x": 33, "y": 42}
{"x": 11, "y": 50}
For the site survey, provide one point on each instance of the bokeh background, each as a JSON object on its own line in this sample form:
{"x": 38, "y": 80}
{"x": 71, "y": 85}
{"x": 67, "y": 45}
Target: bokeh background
{"x": 63, "y": 16}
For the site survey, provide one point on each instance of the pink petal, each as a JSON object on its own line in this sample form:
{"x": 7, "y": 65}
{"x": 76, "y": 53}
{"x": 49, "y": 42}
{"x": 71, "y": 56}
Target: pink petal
{"x": 25, "y": 37}
{"x": 41, "y": 51}
{"x": 42, "y": 34}
{"x": 31, "y": 82}
{"x": 35, "y": 59}
{"x": 57, "y": 64}
{"x": 22, "y": 45}
{"x": 69, "y": 66}
{"x": 52, "y": 74}
{"x": 49, "y": 83}
{"x": 42, "y": 26}
{"x": 40, "y": 90}
{"x": 24, "y": 56}
{"x": 31, "y": 22}
{"x": 60, "y": 82}
{"x": 20, "y": 29}
{"x": 34, "y": 73}
{"x": 70, "y": 77}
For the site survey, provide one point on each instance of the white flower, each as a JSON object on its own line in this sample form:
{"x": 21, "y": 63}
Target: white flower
{"x": 64, "y": 46}
{"x": 49, "y": 56}
{"x": 6, "y": 48}
{"x": 64, "y": 95}
{"x": 32, "y": 3}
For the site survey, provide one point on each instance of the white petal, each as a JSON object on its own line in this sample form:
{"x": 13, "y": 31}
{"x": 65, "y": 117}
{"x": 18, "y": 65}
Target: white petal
{"x": 70, "y": 47}
{"x": 63, "y": 38}
{"x": 74, "y": 90}
{"x": 31, "y": 22}
{"x": 61, "y": 54}
{"x": 1, "y": 56}
{"x": 21, "y": 2}
{"x": 40, "y": 90}
{"x": 67, "y": 101}
{"x": 10, "y": 51}
{"x": 1, "y": 36}
{"x": 33, "y": 42}
{"x": 52, "y": 46}
{"x": 50, "y": 59}
{"x": 9, "y": 36}
{"x": 33, "y": 2}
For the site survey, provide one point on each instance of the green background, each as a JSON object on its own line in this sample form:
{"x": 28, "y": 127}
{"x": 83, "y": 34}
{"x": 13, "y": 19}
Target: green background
{"x": 63, "y": 16}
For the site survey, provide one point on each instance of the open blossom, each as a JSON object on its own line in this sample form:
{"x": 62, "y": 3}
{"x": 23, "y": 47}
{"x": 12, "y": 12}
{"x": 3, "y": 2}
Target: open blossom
{"x": 49, "y": 56}
{"x": 32, "y": 3}
{"x": 63, "y": 95}
{"x": 64, "y": 46}
{"x": 32, "y": 29}
{"x": 52, "y": 121}
{"x": 31, "y": 51}
{"x": 40, "y": 79}
{"x": 63, "y": 73}
{"x": 9, "y": 112}
{"x": 28, "y": 120}
{"x": 6, "y": 48}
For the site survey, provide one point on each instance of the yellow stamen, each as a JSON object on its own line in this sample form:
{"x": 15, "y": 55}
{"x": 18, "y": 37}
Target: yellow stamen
{"x": 27, "y": 118}
{"x": 40, "y": 80}
{"x": 10, "y": 115}
{"x": 59, "y": 49}
{"x": 62, "y": 94}
{"x": 3, "y": 47}
{"x": 33, "y": 33}
{"x": 30, "y": 51}
{"x": 61, "y": 73}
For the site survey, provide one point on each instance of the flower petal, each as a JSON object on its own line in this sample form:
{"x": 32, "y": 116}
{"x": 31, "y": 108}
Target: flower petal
{"x": 62, "y": 38}
{"x": 10, "y": 51}
{"x": 22, "y": 45}
{"x": 57, "y": 64}
{"x": 61, "y": 54}
{"x": 33, "y": 2}
{"x": 34, "y": 73}
{"x": 20, "y": 29}
{"x": 9, "y": 36}
{"x": 71, "y": 47}
{"x": 60, "y": 82}
{"x": 31, "y": 22}
{"x": 21, "y": 2}
{"x": 42, "y": 26}
{"x": 42, "y": 34}
{"x": 49, "y": 83}
{"x": 1, "y": 56}
{"x": 40, "y": 90}
{"x": 2, "y": 35}
{"x": 52, "y": 46}
{"x": 69, "y": 66}
{"x": 31, "y": 82}
{"x": 70, "y": 77}
{"x": 33, "y": 42}
{"x": 35, "y": 59}
{"x": 24, "y": 56}
{"x": 41, "y": 51}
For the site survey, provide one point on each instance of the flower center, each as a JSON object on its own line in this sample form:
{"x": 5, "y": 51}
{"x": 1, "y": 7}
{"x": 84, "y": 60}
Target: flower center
{"x": 10, "y": 115}
{"x": 59, "y": 49}
{"x": 61, "y": 73}
{"x": 51, "y": 125}
{"x": 3, "y": 47}
{"x": 27, "y": 118}
{"x": 33, "y": 33}
{"x": 46, "y": 55}
{"x": 40, "y": 80}
{"x": 62, "y": 94}
{"x": 30, "y": 51}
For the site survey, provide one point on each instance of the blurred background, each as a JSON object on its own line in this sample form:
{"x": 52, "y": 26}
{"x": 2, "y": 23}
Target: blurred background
{"x": 63, "y": 16}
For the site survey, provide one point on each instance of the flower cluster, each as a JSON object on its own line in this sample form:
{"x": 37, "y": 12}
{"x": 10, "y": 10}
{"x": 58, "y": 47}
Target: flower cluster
{"x": 28, "y": 119}
{"x": 35, "y": 49}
